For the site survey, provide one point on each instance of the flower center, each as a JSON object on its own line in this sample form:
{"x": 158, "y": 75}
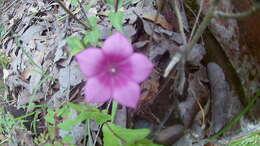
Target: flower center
{"x": 113, "y": 70}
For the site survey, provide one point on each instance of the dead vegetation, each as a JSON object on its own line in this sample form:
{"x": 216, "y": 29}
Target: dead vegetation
{"x": 184, "y": 105}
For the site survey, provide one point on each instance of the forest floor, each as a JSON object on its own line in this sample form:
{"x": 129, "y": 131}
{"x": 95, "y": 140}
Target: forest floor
{"x": 42, "y": 88}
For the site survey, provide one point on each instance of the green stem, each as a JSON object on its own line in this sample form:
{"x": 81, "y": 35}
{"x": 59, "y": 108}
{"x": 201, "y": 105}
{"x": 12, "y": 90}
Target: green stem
{"x": 238, "y": 117}
{"x": 24, "y": 116}
{"x": 114, "y": 110}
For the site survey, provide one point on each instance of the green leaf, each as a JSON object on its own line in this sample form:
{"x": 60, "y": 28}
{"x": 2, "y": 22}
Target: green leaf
{"x": 82, "y": 117}
{"x": 121, "y": 136}
{"x": 67, "y": 139}
{"x": 63, "y": 112}
{"x": 51, "y": 132}
{"x": 92, "y": 37}
{"x": 90, "y": 108}
{"x": 76, "y": 107}
{"x": 99, "y": 117}
{"x": 50, "y": 116}
{"x": 93, "y": 21}
{"x": 111, "y": 4}
{"x": 67, "y": 125}
{"x": 75, "y": 44}
{"x": 132, "y": 1}
{"x": 116, "y": 19}
{"x": 89, "y": 112}
{"x": 57, "y": 143}
{"x": 74, "y": 2}
{"x": 83, "y": 108}
{"x": 90, "y": 4}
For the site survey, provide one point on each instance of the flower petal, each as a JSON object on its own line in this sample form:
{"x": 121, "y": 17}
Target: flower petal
{"x": 139, "y": 67}
{"x": 127, "y": 94}
{"x": 117, "y": 45}
{"x": 96, "y": 91}
{"x": 90, "y": 61}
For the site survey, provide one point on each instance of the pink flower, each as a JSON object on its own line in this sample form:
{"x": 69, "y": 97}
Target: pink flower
{"x": 114, "y": 71}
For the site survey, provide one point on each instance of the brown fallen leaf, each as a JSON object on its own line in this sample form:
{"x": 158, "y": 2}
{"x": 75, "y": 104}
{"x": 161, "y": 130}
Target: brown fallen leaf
{"x": 160, "y": 20}
{"x": 150, "y": 88}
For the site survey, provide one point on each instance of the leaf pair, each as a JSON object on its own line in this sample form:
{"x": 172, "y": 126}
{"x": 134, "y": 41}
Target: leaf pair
{"x": 117, "y": 136}
{"x": 91, "y": 38}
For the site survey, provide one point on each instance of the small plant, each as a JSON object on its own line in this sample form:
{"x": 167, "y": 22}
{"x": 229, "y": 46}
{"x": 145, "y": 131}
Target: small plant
{"x": 114, "y": 71}
{"x": 252, "y": 140}
{"x": 117, "y": 136}
{"x": 41, "y": 139}
{"x": 113, "y": 134}
{"x": 91, "y": 38}
{"x": 68, "y": 121}
{"x": 8, "y": 125}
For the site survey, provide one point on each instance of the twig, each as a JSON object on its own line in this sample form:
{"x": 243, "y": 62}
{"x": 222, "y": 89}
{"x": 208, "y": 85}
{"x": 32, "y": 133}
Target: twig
{"x": 200, "y": 30}
{"x": 8, "y": 6}
{"x": 96, "y": 137}
{"x": 116, "y": 5}
{"x": 70, "y": 13}
{"x": 197, "y": 19}
{"x": 181, "y": 73}
{"x": 190, "y": 9}
{"x": 175, "y": 59}
{"x": 200, "y": 107}
{"x": 241, "y": 15}
{"x": 84, "y": 13}
{"x": 82, "y": 9}
{"x": 90, "y": 138}
{"x": 181, "y": 28}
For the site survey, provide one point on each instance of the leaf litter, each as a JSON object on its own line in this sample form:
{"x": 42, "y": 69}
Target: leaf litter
{"x": 42, "y": 71}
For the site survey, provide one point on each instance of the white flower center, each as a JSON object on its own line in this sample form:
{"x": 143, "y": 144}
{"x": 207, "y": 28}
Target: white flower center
{"x": 112, "y": 70}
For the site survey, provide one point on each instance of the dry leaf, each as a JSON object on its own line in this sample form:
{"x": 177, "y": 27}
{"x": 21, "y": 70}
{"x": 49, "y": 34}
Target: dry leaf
{"x": 160, "y": 20}
{"x": 150, "y": 88}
